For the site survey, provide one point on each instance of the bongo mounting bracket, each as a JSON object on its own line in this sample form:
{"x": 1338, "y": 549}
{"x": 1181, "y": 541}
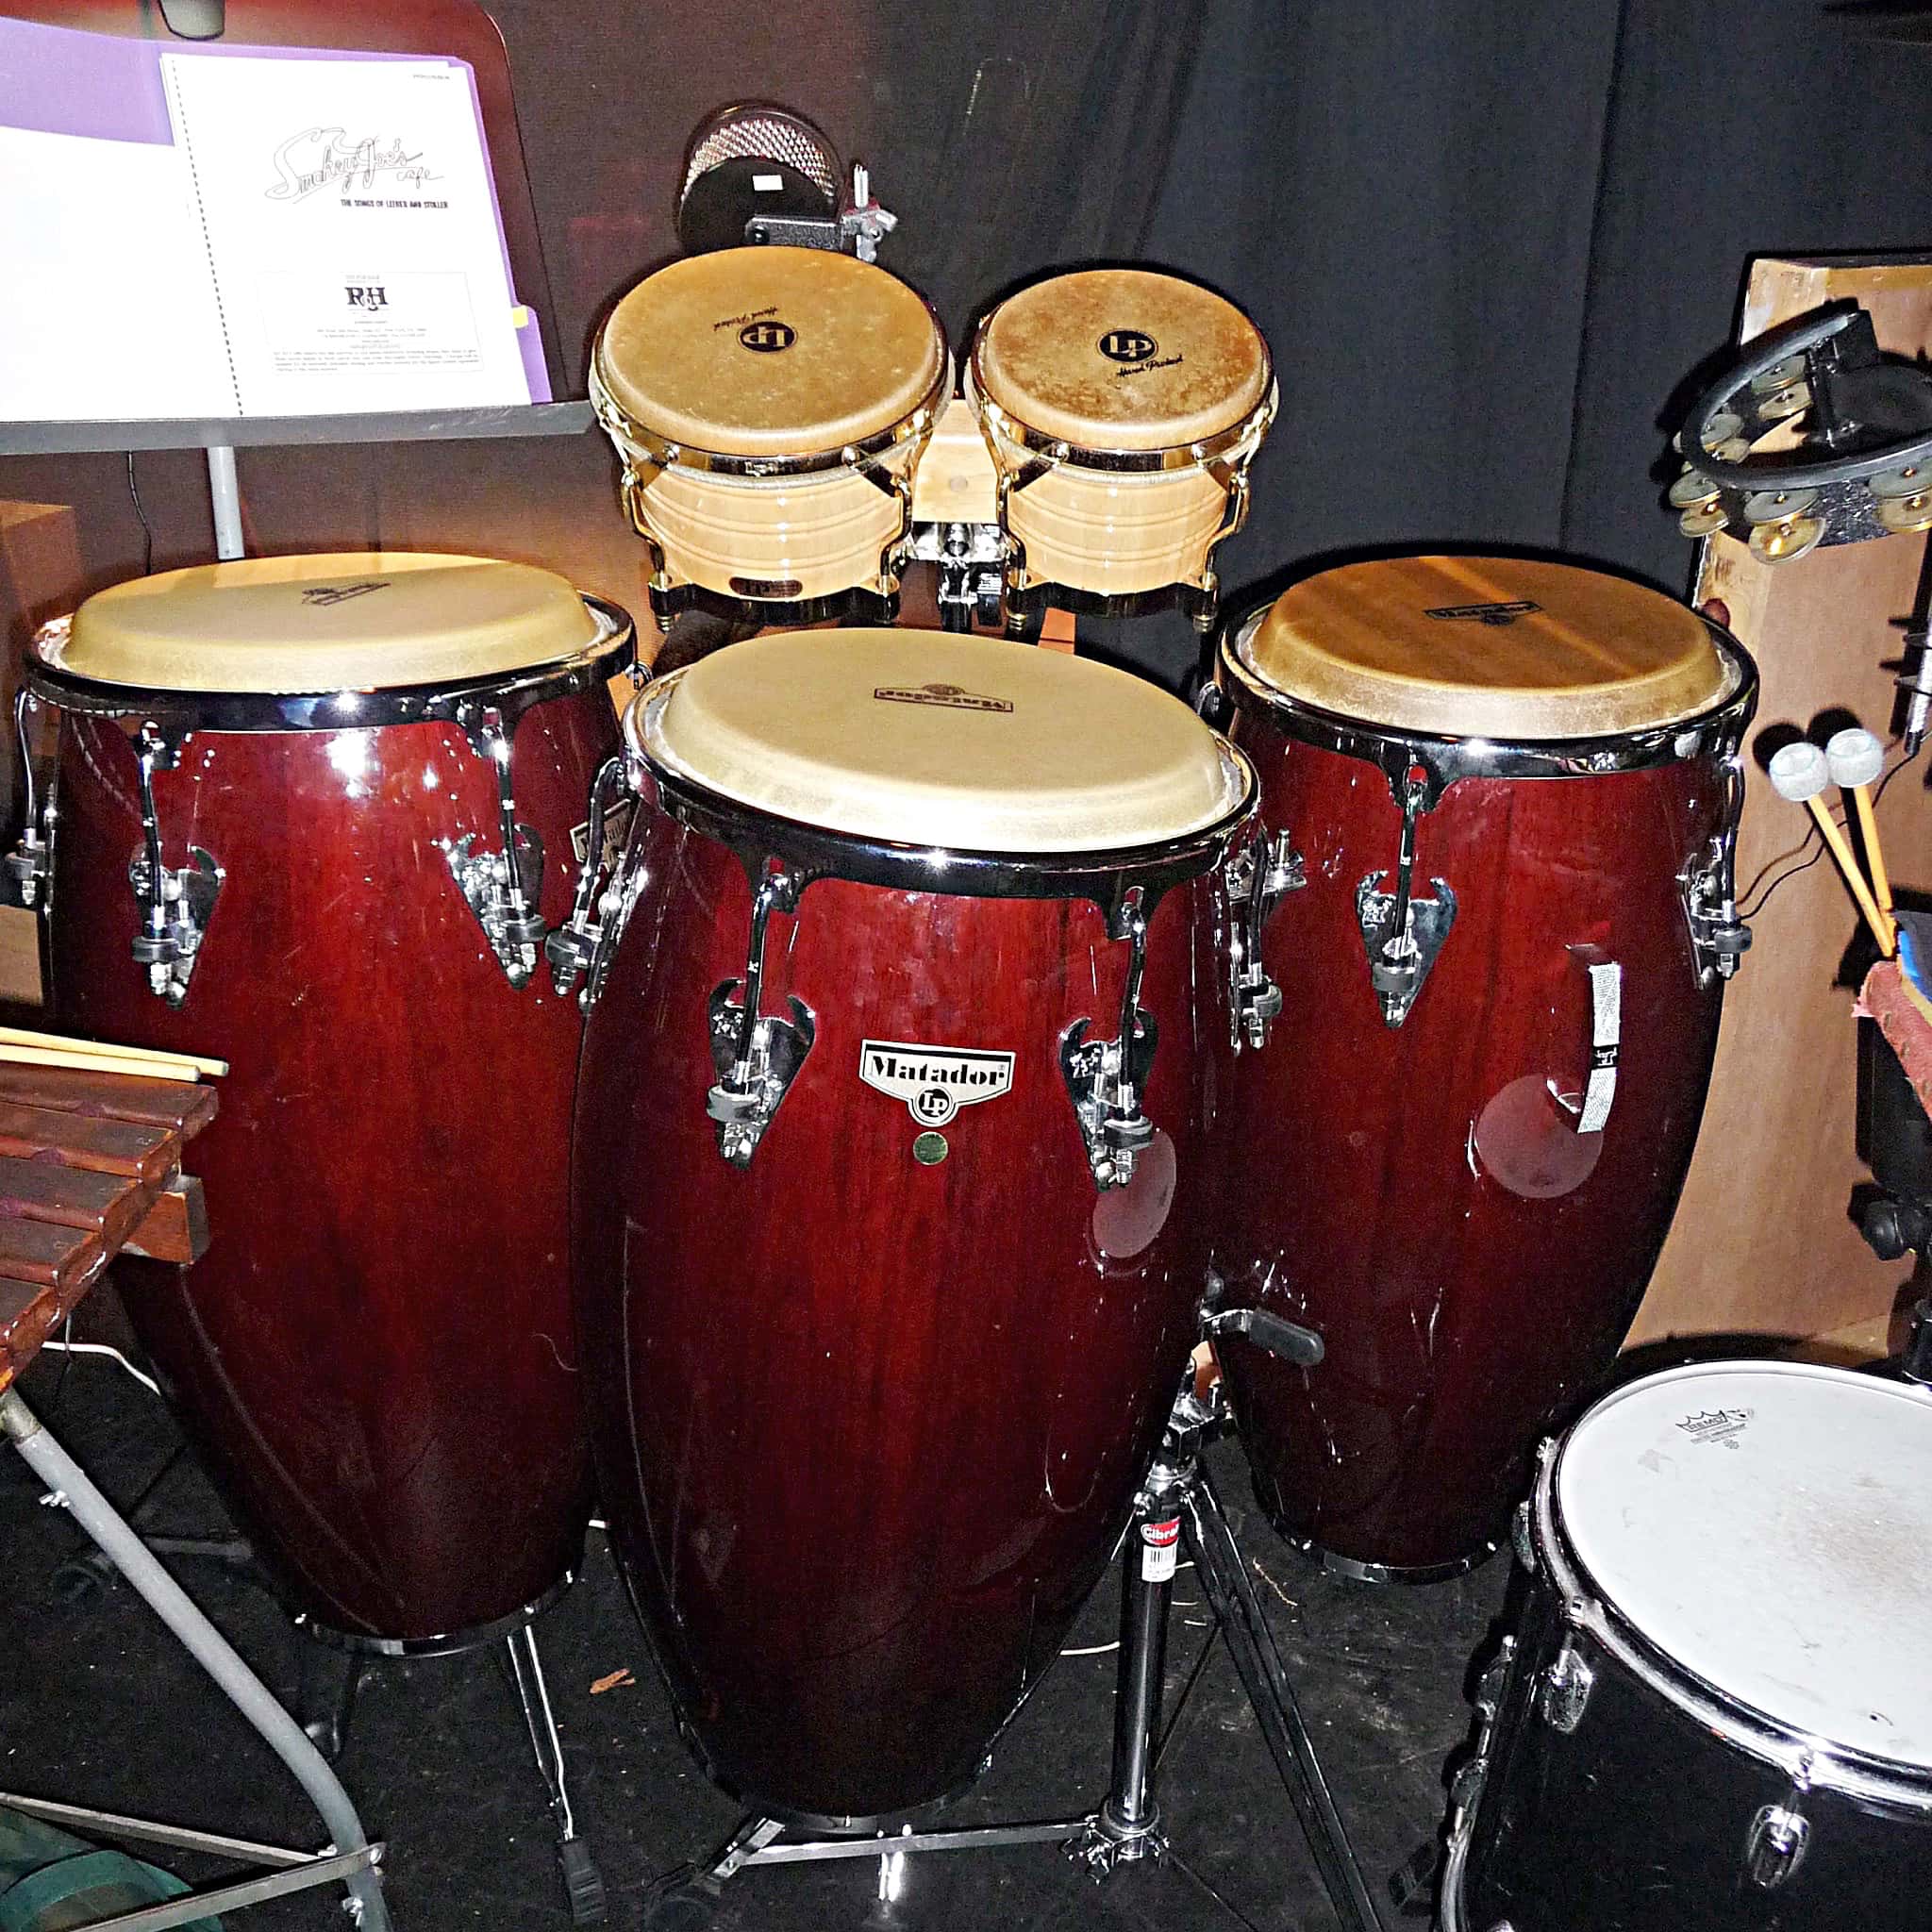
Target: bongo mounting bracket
{"x": 175, "y": 903}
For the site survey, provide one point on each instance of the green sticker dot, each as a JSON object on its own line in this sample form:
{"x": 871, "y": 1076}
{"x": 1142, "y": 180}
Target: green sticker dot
{"x": 929, "y": 1149}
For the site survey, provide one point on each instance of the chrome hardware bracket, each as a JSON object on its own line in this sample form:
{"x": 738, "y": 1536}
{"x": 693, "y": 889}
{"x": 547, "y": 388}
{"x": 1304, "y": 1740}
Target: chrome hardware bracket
{"x": 1719, "y": 939}
{"x": 175, "y": 905}
{"x": 1775, "y": 1845}
{"x": 1402, "y": 934}
{"x": 1565, "y": 1691}
{"x": 504, "y": 887}
{"x": 1107, "y": 1078}
{"x": 30, "y": 864}
{"x": 585, "y": 941}
{"x": 757, "y": 1055}
{"x": 1258, "y": 877}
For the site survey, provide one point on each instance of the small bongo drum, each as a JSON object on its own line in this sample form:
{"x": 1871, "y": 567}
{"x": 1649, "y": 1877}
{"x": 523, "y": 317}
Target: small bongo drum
{"x": 315, "y": 816}
{"x": 769, "y": 405}
{"x": 889, "y": 1231}
{"x": 1495, "y": 920}
{"x": 1715, "y": 1710}
{"x": 1122, "y": 409}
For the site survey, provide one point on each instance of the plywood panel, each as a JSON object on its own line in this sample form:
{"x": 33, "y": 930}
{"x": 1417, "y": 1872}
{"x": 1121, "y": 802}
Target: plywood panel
{"x": 1763, "y": 1242}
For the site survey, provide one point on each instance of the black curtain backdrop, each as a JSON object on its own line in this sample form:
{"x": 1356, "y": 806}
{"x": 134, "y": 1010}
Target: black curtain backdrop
{"x": 1486, "y": 242}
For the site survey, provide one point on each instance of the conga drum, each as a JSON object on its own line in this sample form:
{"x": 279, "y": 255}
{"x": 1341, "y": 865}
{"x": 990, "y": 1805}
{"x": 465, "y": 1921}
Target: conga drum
{"x": 768, "y": 406}
{"x": 1715, "y": 1709}
{"x": 1495, "y": 918}
{"x": 313, "y": 815}
{"x": 887, "y": 1183}
{"x": 1122, "y": 409}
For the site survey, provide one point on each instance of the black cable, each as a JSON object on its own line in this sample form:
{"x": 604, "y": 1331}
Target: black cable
{"x": 147, "y": 529}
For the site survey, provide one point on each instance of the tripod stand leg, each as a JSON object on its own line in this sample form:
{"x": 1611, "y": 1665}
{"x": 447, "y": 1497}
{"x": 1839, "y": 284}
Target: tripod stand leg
{"x": 582, "y": 1883}
{"x": 1244, "y": 1624}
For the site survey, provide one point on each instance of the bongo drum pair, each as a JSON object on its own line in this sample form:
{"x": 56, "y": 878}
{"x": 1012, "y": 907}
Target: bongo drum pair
{"x": 774, "y": 410}
{"x": 313, "y": 816}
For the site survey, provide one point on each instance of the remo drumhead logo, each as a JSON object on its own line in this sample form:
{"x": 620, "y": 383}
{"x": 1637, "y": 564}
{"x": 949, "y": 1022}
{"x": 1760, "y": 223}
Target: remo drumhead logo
{"x": 934, "y": 1082}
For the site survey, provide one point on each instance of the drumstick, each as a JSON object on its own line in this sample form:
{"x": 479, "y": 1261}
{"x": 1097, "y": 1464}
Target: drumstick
{"x": 82, "y": 1062}
{"x": 1800, "y": 772}
{"x": 1857, "y": 758}
{"x": 153, "y": 1055}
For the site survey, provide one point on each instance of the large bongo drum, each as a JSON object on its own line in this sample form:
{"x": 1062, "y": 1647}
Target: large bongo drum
{"x": 1495, "y": 921}
{"x": 1715, "y": 1710}
{"x": 1123, "y": 409}
{"x": 889, "y": 1181}
{"x": 768, "y": 406}
{"x": 286, "y": 789}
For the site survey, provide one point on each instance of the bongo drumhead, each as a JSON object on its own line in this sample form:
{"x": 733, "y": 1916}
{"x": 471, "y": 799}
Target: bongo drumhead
{"x": 353, "y": 621}
{"x": 1122, "y": 358}
{"x": 1488, "y": 646}
{"x": 1768, "y": 1527}
{"x": 924, "y": 738}
{"x": 770, "y": 352}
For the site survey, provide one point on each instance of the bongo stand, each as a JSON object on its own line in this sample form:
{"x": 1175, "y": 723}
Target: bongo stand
{"x": 1177, "y": 1505}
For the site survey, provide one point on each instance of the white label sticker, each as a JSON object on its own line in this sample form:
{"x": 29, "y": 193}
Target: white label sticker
{"x": 1607, "y": 1027}
{"x": 934, "y": 1082}
{"x": 767, "y": 184}
{"x": 1159, "y": 1549}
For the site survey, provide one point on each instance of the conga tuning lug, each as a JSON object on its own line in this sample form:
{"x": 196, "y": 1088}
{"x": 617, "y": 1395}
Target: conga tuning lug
{"x": 1260, "y": 874}
{"x": 1719, "y": 938}
{"x": 1105, "y": 1083}
{"x": 1401, "y": 954}
{"x": 505, "y": 902}
{"x": 756, "y": 1067}
{"x": 175, "y": 905}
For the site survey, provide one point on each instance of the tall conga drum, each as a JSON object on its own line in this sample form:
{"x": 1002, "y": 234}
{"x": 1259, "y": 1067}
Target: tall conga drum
{"x": 313, "y": 816}
{"x": 768, "y": 406}
{"x": 1495, "y": 918}
{"x": 889, "y": 1172}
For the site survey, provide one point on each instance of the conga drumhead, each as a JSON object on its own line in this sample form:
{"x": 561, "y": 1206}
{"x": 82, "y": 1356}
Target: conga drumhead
{"x": 1122, "y": 358}
{"x": 1497, "y": 648}
{"x": 359, "y": 621}
{"x": 1768, "y": 1527}
{"x": 770, "y": 352}
{"x": 920, "y": 738}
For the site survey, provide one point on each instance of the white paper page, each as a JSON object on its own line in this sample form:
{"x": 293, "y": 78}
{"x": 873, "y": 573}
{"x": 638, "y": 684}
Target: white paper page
{"x": 109, "y": 313}
{"x": 352, "y": 232}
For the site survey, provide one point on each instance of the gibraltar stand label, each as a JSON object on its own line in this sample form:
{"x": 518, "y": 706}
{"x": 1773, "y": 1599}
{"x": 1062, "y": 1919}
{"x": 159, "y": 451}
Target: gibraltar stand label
{"x": 934, "y": 1082}
{"x": 1160, "y": 1550}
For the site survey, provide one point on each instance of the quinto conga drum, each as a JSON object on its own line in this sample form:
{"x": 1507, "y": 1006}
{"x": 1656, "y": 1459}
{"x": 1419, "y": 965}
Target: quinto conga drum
{"x": 313, "y": 815}
{"x": 1495, "y": 919}
{"x": 887, "y": 1217}
{"x": 768, "y": 406}
{"x": 1715, "y": 1711}
{"x": 1122, "y": 409}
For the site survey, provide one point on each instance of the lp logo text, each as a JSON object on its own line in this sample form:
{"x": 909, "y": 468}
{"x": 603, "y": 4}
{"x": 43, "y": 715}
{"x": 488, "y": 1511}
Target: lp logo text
{"x": 369, "y": 295}
{"x": 1128, "y": 345}
{"x": 766, "y": 337}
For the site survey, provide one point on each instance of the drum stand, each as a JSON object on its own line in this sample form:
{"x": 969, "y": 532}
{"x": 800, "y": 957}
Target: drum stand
{"x": 1177, "y": 1503}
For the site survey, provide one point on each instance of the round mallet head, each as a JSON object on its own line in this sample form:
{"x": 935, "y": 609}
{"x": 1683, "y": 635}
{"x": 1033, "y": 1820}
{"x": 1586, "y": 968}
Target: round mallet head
{"x": 1799, "y": 770}
{"x": 1855, "y": 757}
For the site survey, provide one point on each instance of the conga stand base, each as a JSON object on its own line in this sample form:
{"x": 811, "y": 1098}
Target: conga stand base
{"x": 1177, "y": 1505}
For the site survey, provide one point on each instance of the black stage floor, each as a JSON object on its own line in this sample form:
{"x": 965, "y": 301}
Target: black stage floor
{"x": 99, "y": 1706}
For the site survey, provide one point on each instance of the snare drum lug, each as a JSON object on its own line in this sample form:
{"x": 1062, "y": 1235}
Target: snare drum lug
{"x": 1522, "y": 1537}
{"x": 1566, "y": 1687}
{"x": 1775, "y": 1845}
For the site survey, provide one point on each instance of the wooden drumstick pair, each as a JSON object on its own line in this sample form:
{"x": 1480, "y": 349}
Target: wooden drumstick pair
{"x": 1851, "y": 761}
{"x": 23, "y": 1047}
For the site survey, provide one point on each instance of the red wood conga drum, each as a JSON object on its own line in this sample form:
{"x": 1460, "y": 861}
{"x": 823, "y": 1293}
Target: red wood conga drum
{"x": 313, "y": 814}
{"x": 1495, "y": 921}
{"x": 889, "y": 1178}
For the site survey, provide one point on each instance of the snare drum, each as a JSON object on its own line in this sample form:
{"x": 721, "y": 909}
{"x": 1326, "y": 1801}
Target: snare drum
{"x": 287, "y": 790}
{"x": 1122, "y": 409}
{"x": 769, "y": 405}
{"x": 1495, "y": 918}
{"x": 1716, "y": 1712}
{"x": 888, "y": 1231}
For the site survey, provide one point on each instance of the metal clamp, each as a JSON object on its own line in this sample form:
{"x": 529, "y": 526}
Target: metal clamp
{"x": 585, "y": 941}
{"x": 1401, "y": 933}
{"x": 757, "y": 1055}
{"x": 504, "y": 887}
{"x": 175, "y": 905}
{"x": 30, "y": 863}
{"x": 1106, "y": 1078}
{"x": 1258, "y": 877}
